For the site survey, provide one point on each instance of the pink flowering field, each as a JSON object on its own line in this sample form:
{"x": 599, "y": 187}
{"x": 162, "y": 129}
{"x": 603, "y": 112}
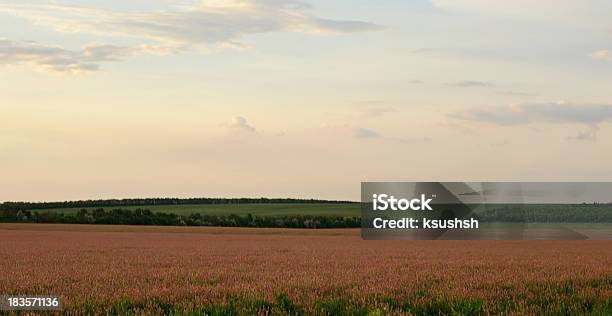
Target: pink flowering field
{"x": 233, "y": 271}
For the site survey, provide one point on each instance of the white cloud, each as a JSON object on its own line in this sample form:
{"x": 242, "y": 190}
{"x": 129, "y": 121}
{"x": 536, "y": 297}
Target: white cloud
{"x": 162, "y": 32}
{"x": 601, "y": 55}
{"x": 241, "y": 123}
{"x": 60, "y": 60}
{"x": 57, "y": 59}
{"x": 205, "y": 22}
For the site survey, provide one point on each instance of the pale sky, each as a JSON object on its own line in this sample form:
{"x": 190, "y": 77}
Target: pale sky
{"x": 282, "y": 98}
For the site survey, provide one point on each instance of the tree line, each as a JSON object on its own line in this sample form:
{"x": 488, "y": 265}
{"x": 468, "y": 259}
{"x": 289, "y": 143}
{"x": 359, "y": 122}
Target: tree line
{"x": 547, "y": 213}
{"x": 118, "y": 203}
{"x": 146, "y": 217}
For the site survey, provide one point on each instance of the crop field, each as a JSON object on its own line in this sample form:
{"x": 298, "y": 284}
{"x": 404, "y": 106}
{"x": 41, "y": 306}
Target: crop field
{"x": 238, "y": 271}
{"x": 260, "y": 209}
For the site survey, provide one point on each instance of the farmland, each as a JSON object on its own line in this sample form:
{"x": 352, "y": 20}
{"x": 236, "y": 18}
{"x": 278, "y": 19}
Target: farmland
{"x": 225, "y": 271}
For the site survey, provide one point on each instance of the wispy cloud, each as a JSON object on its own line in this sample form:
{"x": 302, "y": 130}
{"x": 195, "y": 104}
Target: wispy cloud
{"x": 519, "y": 93}
{"x": 601, "y": 55}
{"x": 375, "y": 112}
{"x": 57, "y": 59}
{"x": 204, "y": 22}
{"x": 338, "y": 26}
{"x": 590, "y": 115}
{"x": 421, "y": 50}
{"x": 555, "y": 112}
{"x": 361, "y": 132}
{"x": 470, "y": 84}
{"x": 588, "y": 135}
{"x": 500, "y": 143}
{"x": 578, "y": 12}
{"x": 368, "y": 134}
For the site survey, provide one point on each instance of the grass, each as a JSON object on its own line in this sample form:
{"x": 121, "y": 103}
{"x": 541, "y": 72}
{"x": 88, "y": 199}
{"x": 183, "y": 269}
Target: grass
{"x": 262, "y": 209}
{"x": 284, "y": 305}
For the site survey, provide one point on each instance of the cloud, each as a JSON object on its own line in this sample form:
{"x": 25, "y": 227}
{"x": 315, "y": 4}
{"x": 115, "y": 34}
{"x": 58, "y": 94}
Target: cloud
{"x": 557, "y": 11}
{"x": 519, "y": 93}
{"x": 470, "y": 84}
{"x": 588, "y": 135}
{"x": 368, "y": 134}
{"x": 334, "y": 26}
{"x": 590, "y": 115}
{"x": 241, "y": 123}
{"x": 421, "y": 50}
{"x": 364, "y": 133}
{"x": 559, "y": 112}
{"x": 96, "y": 53}
{"x": 57, "y": 59}
{"x": 601, "y": 55}
{"x": 156, "y": 49}
{"x": 500, "y": 143}
{"x": 205, "y": 22}
{"x": 375, "y": 112}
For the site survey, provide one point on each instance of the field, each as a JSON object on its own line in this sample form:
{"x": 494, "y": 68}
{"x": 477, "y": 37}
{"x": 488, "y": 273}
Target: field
{"x": 228, "y": 271}
{"x": 260, "y": 209}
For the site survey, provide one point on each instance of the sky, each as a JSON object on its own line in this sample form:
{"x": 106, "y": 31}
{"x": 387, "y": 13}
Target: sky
{"x": 306, "y": 99}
